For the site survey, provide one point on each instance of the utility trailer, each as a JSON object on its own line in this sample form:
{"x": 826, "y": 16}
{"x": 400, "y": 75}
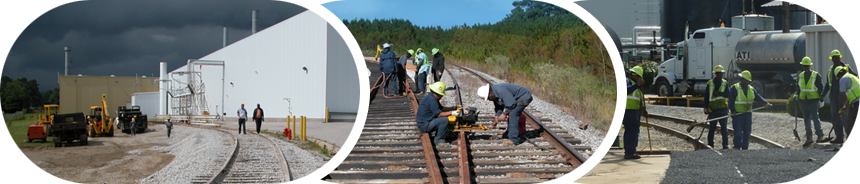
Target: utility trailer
{"x": 126, "y": 114}
{"x": 68, "y": 128}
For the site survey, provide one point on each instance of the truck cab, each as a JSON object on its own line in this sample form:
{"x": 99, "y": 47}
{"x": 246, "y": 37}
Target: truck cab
{"x": 689, "y": 71}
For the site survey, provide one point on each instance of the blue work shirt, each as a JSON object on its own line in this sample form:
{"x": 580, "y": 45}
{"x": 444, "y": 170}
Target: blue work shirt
{"x": 733, "y": 95}
{"x": 507, "y": 95}
{"x": 428, "y": 109}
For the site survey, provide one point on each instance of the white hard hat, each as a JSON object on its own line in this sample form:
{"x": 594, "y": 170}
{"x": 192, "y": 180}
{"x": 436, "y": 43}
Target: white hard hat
{"x": 386, "y": 45}
{"x": 484, "y": 92}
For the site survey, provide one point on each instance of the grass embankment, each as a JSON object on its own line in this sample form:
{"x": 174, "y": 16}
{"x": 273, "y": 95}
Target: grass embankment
{"x": 570, "y": 68}
{"x": 309, "y": 145}
{"x": 17, "y": 127}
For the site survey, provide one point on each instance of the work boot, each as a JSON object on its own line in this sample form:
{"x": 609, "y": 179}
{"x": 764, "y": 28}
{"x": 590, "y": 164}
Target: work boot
{"x": 508, "y": 142}
{"x": 808, "y": 141}
{"x": 634, "y": 156}
{"x": 820, "y": 138}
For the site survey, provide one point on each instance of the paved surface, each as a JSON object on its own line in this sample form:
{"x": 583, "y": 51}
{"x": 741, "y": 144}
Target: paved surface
{"x": 614, "y": 169}
{"x": 748, "y": 166}
{"x": 334, "y": 133}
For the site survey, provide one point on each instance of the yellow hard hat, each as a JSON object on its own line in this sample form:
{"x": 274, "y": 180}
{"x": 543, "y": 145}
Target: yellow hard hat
{"x": 438, "y": 88}
{"x": 411, "y": 52}
{"x": 718, "y": 68}
{"x": 420, "y": 50}
{"x": 835, "y": 53}
{"x": 746, "y": 75}
{"x": 637, "y": 70}
{"x": 806, "y": 61}
{"x": 435, "y": 50}
{"x": 841, "y": 69}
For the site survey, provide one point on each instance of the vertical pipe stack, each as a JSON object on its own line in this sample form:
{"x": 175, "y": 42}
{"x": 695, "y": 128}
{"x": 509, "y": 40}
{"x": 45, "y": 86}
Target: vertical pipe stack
{"x": 68, "y": 50}
{"x": 254, "y": 21}
{"x": 162, "y": 88}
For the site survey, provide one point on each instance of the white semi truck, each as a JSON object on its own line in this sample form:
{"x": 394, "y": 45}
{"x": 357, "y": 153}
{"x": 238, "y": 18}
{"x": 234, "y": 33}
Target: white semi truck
{"x": 773, "y": 58}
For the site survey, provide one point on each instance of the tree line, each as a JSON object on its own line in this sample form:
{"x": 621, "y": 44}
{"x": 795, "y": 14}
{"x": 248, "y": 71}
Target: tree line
{"x": 22, "y": 94}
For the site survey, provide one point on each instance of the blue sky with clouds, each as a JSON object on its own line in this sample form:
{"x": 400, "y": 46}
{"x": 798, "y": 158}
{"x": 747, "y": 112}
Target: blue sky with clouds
{"x": 445, "y": 13}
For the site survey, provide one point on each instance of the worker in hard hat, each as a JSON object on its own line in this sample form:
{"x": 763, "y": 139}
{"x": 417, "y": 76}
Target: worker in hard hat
{"x": 849, "y": 90}
{"x": 169, "y": 126}
{"x": 633, "y": 111}
{"x": 741, "y": 99}
{"x": 509, "y": 100}
{"x": 809, "y": 93}
{"x": 423, "y": 65}
{"x": 717, "y": 105}
{"x": 401, "y": 71}
{"x": 388, "y": 66}
{"x": 438, "y": 64}
{"x": 832, "y": 88}
{"x": 133, "y": 122}
{"x": 432, "y": 116}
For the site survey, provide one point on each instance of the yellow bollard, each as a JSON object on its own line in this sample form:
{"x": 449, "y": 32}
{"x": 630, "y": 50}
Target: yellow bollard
{"x": 326, "y": 114}
{"x": 295, "y": 132}
{"x": 304, "y": 128}
{"x": 288, "y": 121}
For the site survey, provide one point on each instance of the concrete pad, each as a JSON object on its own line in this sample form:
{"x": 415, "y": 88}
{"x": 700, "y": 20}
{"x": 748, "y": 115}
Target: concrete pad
{"x": 334, "y": 133}
{"x": 614, "y": 169}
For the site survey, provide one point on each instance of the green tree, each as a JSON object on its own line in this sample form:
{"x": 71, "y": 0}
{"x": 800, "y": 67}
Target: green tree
{"x": 19, "y": 94}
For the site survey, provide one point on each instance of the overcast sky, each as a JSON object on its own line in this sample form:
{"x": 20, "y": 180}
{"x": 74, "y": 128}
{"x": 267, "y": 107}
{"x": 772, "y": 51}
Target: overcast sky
{"x": 129, "y": 37}
{"x": 445, "y": 13}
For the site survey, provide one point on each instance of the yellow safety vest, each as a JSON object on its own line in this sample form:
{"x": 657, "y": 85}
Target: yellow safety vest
{"x": 852, "y": 93}
{"x": 633, "y": 99}
{"x": 744, "y": 103}
{"x": 717, "y": 101}
{"x": 808, "y": 90}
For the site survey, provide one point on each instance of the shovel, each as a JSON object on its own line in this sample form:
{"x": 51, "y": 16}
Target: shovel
{"x": 796, "y": 135}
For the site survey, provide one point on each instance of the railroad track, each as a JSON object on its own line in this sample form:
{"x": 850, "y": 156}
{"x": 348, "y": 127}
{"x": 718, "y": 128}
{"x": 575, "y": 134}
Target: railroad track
{"x": 254, "y": 159}
{"x": 701, "y": 144}
{"x": 391, "y": 150}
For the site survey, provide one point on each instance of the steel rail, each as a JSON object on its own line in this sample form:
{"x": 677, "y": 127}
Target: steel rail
{"x": 697, "y": 144}
{"x": 228, "y": 163}
{"x": 568, "y": 153}
{"x": 753, "y": 138}
{"x": 284, "y": 163}
{"x": 462, "y": 142}
{"x": 433, "y": 168}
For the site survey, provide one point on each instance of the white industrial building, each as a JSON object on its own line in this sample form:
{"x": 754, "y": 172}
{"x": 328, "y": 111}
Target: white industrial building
{"x": 300, "y": 66}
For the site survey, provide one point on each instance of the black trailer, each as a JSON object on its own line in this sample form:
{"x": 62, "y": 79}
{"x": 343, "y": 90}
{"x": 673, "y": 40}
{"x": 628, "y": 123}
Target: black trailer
{"x": 126, "y": 114}
{"x": 68, "y": 128}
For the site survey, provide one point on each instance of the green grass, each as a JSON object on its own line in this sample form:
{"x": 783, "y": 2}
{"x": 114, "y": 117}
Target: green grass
{"x": 17, "y": 127}
{"x": 305, "y": 145}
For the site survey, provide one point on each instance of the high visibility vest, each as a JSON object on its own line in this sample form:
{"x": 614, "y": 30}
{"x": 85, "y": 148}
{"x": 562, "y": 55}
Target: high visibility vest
{"x": 633, "y": 99}
{"x": 717, "y": 101}
{"x": 808, "y": 90}
{"x": 852, "y": 93}
{"x": 744, "y": 103}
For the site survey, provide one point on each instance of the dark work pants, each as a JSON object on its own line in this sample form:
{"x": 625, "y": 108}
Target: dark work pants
{"x": 420, "y": 80}
{"x": 401, "y": 78}
{"x": 742, "y": 125}
{"x": 848, "y": 118}
{"x": 440, "y": 125}
{"x": 838, "y": 127}
{"x": 514, "y": 124}
{"x": 259, "y": 122}
{"x": 437, "y": 75}
{"x": 724, "y": 131}
{"x": 390, "y": 84}
{"x": 631, "y": 131}
{"x": 242, "y": 125}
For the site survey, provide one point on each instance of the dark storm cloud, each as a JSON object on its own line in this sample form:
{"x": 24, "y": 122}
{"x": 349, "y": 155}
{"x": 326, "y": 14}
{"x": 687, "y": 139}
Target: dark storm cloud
{"x": 125, "y": 38}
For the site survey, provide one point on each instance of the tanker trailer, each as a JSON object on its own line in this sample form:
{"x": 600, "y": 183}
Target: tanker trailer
{"x": 773, "y": 59}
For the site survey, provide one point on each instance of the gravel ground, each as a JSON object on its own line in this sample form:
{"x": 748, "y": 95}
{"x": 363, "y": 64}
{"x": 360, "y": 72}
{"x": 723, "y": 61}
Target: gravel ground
{"x": 774, "y": 127}
{"x": 469, "y": 85}
{"x": 302, "y": 162}
{"x": 201, "y": 147}
{"x": 749, "y": 166}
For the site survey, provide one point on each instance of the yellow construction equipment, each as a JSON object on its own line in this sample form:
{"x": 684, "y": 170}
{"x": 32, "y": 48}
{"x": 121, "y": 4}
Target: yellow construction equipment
{"x": 466, "y": 122}
{"x": 42, "y": 129}
{"x": 100, "y": 123}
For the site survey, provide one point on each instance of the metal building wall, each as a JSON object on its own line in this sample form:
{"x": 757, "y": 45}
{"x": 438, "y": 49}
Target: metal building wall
{"x": 342, "y": 88}
{"x": 820, "y": 41}
{"x": 78, "y": 93}
{"x": 148, "y": 102}
{"x": 267, "y": 67}
{"x": 623, "y": 15}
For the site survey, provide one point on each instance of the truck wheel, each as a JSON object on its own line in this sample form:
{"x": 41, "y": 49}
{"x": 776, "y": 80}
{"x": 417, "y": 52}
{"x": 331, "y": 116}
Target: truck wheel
{"x": 110, "y": 133}
{"x": 29, "y": 140}
{"x": 759, "y": 87}
{"x": 663, "y": 88}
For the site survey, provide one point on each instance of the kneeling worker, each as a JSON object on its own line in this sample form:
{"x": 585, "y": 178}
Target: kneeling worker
{"x": 510, "y": 100}
{"x": 432, "y": 116}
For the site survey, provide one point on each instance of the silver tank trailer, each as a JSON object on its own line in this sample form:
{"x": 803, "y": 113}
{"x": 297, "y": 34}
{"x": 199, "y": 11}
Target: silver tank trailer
{"x": 771, "y": 52}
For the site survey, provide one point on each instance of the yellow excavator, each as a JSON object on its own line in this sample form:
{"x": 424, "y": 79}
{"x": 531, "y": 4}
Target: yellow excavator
{"x": 42, "y": 129}
{"x": 100, "y": 123}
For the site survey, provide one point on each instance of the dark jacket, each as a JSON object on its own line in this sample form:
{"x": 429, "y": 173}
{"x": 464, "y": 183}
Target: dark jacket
{"x": 403, "y": 60}
{"x": 509, "y": 96}
{"x": 387, "y": 62}
{"x": 438, "y": 62}
{"x": 254, "y": 115}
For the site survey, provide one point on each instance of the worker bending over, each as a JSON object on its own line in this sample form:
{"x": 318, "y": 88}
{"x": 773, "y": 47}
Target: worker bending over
{"x": 849, "y": 90}
{"x": 741, "y": 98}
{"x": 401, "y": 71}
{"x": 633, "y": 112}
{"x": 717, "y": 105}
{"x": 432, "y": 115}
{"x": 809, "y": 93}
{"x": 833, "y": 89}
{"x": 510, "y": 101}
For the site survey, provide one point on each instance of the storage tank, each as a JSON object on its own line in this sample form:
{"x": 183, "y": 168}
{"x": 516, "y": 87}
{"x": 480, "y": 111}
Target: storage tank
{"x": 754, "y": 22}
{"x": 771, "y": 52}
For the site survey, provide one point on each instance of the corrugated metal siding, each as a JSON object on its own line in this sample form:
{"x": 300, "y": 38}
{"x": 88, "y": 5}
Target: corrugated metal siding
{"x": 147, "y": 101}
{"x": 820, "y": 41}
{"x": 266, "y": 67}
{"x": 342, "y": 87}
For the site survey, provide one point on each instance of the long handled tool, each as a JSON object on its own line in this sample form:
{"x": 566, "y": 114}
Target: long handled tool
{"x": 690, "y": 128}
{"x": 648, "y": 125}
{"x": 796, "y": 135}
